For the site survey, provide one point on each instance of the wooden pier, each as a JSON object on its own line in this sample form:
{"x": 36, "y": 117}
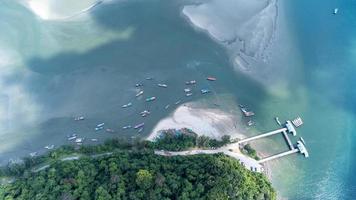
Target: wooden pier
{"x": 262, "y": 135}
{"x": 286, "y": 153}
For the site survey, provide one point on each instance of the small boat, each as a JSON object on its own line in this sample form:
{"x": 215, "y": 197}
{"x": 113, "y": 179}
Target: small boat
{"x": 94, "y": 140}
{"x": 144, "y": 113}
{"x": 49, "y": 147}
{"x": 100, "y": 125}
{"x": 99, "y": 128}
{"x": 162, "y": 85}
{"x": 211, "y": 78}
{"x": 109, "y": 130}
{"x": 188, "y": 94}
{"x": 301, "y": 139}
{"x": 192, "y": 82}
{"x": 149, "y": 78}
{"x": 177, "y": 102}
{"x": 250, "y": 123}
{"x": 127, "y": 105}
{"x": 186, "y": 90}
{"x": 336, "y": 10}
{"x": 204, "y": 91}
{"x": 140, "y": 130}
{"x": 126, "y": 127}
{"x": 72, "y": 135}
{"x": 302, "y": 149}
{"x": 72, "y": 138}
{"x": 166, "y": 107}
{"x": 79, "y": 118}
{"x": 247, "y": 113}
{"x": 277, "y": 120}
{"x": 150, "y": 99}
{"x": 79, "y": 140}
{"x": 33, "y": 154}
{"x": 139, "y": 126}
{"x": 138, "y": 85}
{"x": 139, "y": 93}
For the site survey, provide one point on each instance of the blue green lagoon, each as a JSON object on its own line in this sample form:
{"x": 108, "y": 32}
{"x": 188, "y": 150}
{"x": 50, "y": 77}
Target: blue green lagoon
{"x": 286, "y": 58}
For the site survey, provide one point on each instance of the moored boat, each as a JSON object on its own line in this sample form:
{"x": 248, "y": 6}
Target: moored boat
{"x": 189, "y": 94}
{"x": 162, "y": 85}
{"x": 99, "y": 128}
{"x": 139, "y": 93}
{"x": 186, "y": 90}
{"x": 144, "y": 113}
{"x": 166, "y": 107}
{"x": 139, "y": 126}
{"x": 138, "y": 85}
{"x": 336, "y": 10}
{"x": 127, "y": 105}
{"x": 126, "y": 127}
{"x": 204, "y": 91}
{"x": 49, "y": 147}
{"x": 150, "y": 99}
{"x": 210, "y": 78}
{"x": 277, "y": 120}
{"x": 100, "y": 125}
{"x": 109, "y": 130}
{"x": 94, "y": 140}
{"x": 79, "y": 118}
{"x": 192, "y": 82}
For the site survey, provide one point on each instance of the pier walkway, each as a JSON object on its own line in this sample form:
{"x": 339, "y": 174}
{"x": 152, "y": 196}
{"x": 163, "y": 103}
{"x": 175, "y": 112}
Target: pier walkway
{"x": 262, "y": 135}
{"x": 286, "y": 153}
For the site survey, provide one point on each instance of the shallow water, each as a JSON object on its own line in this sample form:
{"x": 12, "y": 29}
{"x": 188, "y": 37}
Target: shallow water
{"x": 52, "y": 71}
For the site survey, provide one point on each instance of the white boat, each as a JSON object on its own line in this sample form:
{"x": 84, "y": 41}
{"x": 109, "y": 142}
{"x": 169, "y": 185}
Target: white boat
{"x": 149, "y": 78}
{"x": 79, "y": 118}
{"x": 126, "y": 127}
{"x": 250, "y": 123}
{"x": 94, "y": 140}
{"x": 139, "y": 93}
{"x": 127, "y": 105}
{"x": 100, "y": 125}
{"x": 192, "y": 82}
{"x": 72, "y": 138}
{"x": 79, "y": 140}
{"x": 109, "y": 130}
{"x": 204, "y": 91}
{"x": 188, "y": 94}
{"x": 186, "y": 90}
{"x": 140, "y": 130}
{"x": 99, "y": 128}
{"x": 277, "y": 120}
{"x": 177, "y": 102}
{"x": 144, "y": 113}
{"x": 301, "y": 139}
{"x": 150, "y": 99}
{"x": 166, "y": 107}
{"x": 247, "y": 113}
{"x": 138, "y": 85}
{"x": 162, "y": 85}
{"x": 49, "y": 147}
{"x": 336, "y": 10}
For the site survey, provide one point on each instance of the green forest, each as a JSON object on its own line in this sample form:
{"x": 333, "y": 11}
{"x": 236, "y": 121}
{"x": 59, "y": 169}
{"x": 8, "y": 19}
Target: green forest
{"x": 132, "y": 171}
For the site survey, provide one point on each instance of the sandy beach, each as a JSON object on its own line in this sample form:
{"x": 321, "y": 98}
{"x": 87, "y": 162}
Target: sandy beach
{"x": 210, "y": 122}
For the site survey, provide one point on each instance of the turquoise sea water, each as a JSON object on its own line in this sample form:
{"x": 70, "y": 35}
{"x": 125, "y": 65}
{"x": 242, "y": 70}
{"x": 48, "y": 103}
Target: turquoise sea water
{"x": 54, "y": 70}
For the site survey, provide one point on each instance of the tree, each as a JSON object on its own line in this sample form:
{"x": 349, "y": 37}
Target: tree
{"x": 144, "y": 179}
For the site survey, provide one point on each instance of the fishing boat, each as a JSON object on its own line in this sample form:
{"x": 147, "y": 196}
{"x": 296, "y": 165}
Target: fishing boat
{"x": 140, "y": 130}
{"x": 49, "y": 147}
{"x": 139, "y": 126}
{"x": 109, "y": 130}
{"x": 186, "y": 90}
{"x": 162, "y": 85}
{"x": 127, "y": 105}
{"x": 250, "y": 123}
{"x": 301, "y": 139}
{"x": 166, "y": 107}
{"x": 177, "y": 102}
{"x": 192, "y": 82}
{"x": 79, "y": 118}
{"x": 150, "y": 99}
{"x": 94, "y": 140}
{"x": 204, "y": 91}
{"x": 79, "y": 140}
{"x": 210, "y": 78}
{"x": 188, "y": 94}
{"x": 99, "y": 128}
{"x": 149, "y": 78}
{"x": 100, "y": 125}
{"x": 126, "y": 127}
{"x": 138, "y": 85}
{"x": 144, "y": 113}
{"x": 72, "y": 138}
{"x": 336, "y": 10}
{"x": 139, "y": 93}
{"x": 277, "y": 120}
{"x": 247, "y": 113}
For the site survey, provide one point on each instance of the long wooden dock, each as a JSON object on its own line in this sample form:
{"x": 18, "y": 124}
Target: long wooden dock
{"x": 278, "y": 155}
{"x": 262, "y": 135}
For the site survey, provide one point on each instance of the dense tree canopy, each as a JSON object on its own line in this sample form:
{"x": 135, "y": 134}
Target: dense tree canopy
{"x": 133, "y": 171}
